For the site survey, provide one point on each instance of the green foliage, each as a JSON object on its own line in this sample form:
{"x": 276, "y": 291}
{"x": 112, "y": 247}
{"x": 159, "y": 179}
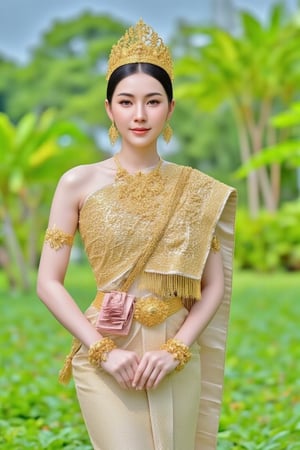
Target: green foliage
{"x": 261, "y": 408}
{"x": 261, "y": 397}
{"x": 255, "y": 72}
{"x": 270, "y": 241}
{"x": 36, "y": 411}
{"x": 240, "y": 78}
{"x": 67, "y": 70}
{"x": 8, "y": 70}
{"x": 33, "y": 154}
{"x": 32, "y": 147}
{"x": 286, "y": 151}
{"x": 202, "y": 149}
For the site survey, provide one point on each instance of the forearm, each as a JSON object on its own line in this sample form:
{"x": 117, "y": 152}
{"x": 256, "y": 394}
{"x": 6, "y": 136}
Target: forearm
{"x": 65, "y": 310}
{"x": 201, "y": 314}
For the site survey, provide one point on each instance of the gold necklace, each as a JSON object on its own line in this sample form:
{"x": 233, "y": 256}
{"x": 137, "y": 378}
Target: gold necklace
{"x": 144, "y": 171}
{"x": 140, "y": 193}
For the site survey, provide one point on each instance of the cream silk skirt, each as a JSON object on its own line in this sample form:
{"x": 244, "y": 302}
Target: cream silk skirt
{"x": 164, "y": 418}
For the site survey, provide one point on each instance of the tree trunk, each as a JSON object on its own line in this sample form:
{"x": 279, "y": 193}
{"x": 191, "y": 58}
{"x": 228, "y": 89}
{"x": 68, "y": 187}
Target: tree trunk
{"x": 253, "y": 194}
{"x": 266, "y": 189}
{"x": 276, "y": 183}
{"x": 275, "y": 168}
{"x": 256, "y": 131}
{"x": 5, "y": 265}
{"x": 252, "y": 182}
{"x": 15, "y": 251}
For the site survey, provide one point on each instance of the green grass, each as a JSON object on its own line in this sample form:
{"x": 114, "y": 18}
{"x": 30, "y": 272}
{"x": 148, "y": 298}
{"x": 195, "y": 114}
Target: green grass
{"x": 261, "y": 408}
{"x": 36, "y": 411}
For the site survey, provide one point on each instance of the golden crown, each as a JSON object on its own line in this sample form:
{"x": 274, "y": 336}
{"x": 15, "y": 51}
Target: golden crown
{"x": 140, "y": 43}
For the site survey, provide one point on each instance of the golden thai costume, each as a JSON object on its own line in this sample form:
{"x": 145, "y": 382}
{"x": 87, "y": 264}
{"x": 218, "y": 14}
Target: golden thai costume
{"x": 116, "y": 223}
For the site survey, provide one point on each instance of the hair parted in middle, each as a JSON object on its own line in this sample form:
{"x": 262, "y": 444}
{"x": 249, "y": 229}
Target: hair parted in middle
{"x": 130, "y": 69}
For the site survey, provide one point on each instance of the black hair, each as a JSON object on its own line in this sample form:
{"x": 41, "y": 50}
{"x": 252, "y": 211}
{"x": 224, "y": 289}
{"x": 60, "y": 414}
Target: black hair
{"x": 149, "y": 69}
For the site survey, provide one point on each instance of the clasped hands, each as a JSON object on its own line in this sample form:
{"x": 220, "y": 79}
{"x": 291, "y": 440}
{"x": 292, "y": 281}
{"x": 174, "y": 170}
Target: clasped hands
{"x": 134, "y": 373}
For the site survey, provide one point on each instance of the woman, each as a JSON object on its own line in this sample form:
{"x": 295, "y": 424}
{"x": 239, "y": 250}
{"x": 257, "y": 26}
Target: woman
{"x": 161, "y": 234}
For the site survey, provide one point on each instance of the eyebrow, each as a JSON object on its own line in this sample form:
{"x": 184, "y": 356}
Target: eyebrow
{"x": 151, "y": 94}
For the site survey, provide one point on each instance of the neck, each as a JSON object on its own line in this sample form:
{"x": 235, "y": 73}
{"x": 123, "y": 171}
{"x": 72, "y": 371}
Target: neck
{"x": 137, "y": 161}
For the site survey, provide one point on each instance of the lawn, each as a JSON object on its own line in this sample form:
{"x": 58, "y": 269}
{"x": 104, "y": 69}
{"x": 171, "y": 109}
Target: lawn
{"x": 261, "y": 408}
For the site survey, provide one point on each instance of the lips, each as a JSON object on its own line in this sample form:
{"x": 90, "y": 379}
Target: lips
{"x": 140, "y": 130}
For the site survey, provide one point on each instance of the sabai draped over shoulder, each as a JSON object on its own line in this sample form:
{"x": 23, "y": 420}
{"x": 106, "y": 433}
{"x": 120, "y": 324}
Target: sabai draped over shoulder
{"x": 114, "y": 214}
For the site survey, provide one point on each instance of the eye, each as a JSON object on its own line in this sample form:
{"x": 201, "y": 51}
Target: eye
{"x": 125, "y": 102}
{"x": 154, "y": 102}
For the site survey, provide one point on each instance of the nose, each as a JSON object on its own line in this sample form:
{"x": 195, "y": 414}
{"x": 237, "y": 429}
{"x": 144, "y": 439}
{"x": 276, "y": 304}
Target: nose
{"x": 140, "y": 113}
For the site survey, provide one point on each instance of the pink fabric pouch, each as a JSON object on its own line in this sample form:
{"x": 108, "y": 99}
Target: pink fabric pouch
{"x": 116, "y": 313}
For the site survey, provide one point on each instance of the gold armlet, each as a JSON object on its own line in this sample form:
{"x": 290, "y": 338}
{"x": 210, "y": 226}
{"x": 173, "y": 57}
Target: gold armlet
{"x": 215, "y": 244}
{"x": 57, "y": 238}
{"x": 180, "y": 352}
{"x": 98, "y": 351}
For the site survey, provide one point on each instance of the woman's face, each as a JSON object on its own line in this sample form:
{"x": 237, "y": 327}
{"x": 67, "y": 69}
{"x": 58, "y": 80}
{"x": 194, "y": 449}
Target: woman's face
{"x": 140, "y": 109}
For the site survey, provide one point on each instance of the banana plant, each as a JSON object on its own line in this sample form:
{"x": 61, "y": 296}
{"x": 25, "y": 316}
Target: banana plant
{"x": 255, "y": 72}
{"x": 33, "y": 153}
{"x": 286, "y": 151}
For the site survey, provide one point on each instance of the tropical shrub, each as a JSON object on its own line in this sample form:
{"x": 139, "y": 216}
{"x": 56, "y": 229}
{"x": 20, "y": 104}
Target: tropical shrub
{"x": 270, "y": 241}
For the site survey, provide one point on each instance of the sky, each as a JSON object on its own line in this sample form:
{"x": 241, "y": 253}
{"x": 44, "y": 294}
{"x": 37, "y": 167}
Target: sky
{"x": 22, "y": 22}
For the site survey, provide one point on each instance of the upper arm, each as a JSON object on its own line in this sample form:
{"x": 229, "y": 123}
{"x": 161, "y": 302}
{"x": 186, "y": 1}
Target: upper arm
{"x": 213, "y": 274}
{"x": 64, "y": 216}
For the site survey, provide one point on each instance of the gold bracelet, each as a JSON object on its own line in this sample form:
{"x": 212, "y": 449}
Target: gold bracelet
{"x": 98, "y": 351}
{"x": 179, "y": 350}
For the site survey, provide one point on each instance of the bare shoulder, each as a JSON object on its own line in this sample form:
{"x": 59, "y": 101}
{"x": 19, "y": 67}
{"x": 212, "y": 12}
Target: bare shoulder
{"x": 81, "y": 180}
{"x": 79, "y": 175}
{"x": 74, "y": 176}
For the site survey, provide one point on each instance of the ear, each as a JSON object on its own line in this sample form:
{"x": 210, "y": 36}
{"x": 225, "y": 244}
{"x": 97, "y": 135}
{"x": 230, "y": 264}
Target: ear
{"x": 108, "y": 110}
{"x": 171, "y": 109}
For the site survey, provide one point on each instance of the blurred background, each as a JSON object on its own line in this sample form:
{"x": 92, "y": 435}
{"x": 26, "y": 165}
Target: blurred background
{"x": 237, "y": 78}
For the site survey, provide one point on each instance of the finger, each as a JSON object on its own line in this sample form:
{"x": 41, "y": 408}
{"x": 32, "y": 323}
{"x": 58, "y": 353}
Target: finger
{"x": 158, "y": 379}
{"x": 134, "y": 366}
{"x": 125, "y": 374}
{"x": 122, "y": 376}
{"x": 139, "y": 374}
{"x": 152, "y": 379}
{"x": 120, "y": 380}
{"x": 128, "y": 376}
{"x": 159, "y": 374}
{"x": 130, "y": 369}
{"x": 149, "y": 372}
{"x": 126, "y": 380}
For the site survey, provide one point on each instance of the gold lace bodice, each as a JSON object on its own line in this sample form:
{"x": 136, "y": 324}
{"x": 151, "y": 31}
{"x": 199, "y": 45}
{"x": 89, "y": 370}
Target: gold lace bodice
{"x": 117, "y": 221}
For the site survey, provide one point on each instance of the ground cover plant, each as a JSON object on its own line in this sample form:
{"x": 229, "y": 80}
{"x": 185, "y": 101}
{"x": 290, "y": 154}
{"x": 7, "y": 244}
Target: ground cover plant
{"x": 261, "y": 409}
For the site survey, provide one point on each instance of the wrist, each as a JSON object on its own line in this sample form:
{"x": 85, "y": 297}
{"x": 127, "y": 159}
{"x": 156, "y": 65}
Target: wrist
{"x": 179, "y": 351}
{"x": 98, "y": 351}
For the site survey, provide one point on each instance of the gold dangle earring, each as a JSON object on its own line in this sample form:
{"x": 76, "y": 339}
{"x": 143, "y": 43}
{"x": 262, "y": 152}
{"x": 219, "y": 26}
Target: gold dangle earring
{"x": 113, "y": 134}
{"x": 167, "y": 133}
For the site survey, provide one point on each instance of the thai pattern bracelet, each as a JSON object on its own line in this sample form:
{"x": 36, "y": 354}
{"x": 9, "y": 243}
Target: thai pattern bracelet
{"x": 179, "y": 350}
{"x": 98, "y": 351}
